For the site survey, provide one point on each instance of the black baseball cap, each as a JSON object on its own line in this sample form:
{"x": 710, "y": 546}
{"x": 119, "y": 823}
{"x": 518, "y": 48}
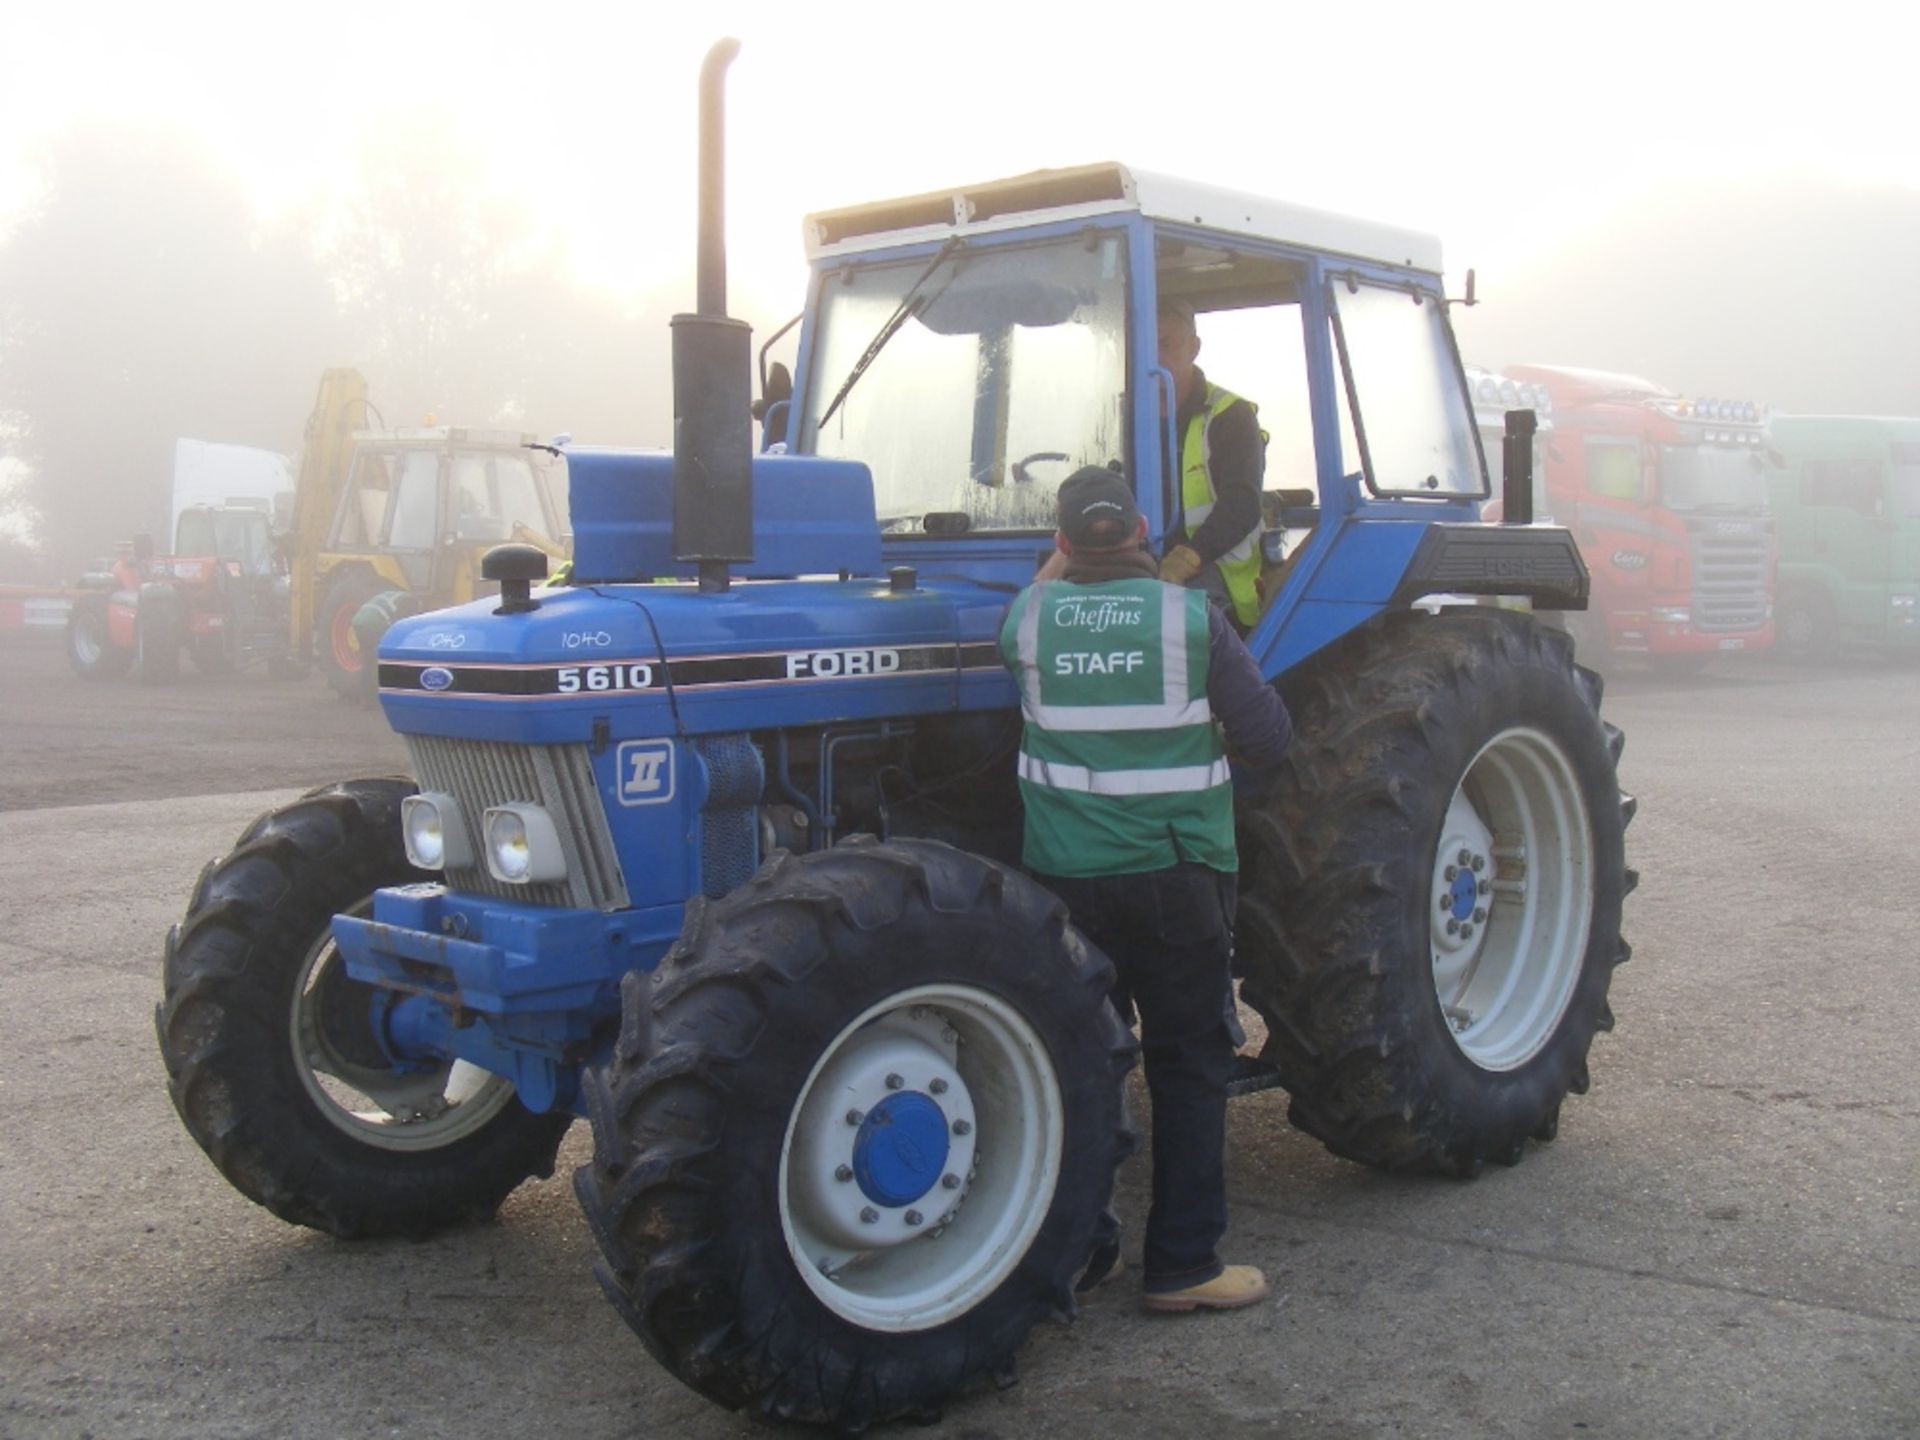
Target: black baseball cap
{"x": 1097, "y": 510}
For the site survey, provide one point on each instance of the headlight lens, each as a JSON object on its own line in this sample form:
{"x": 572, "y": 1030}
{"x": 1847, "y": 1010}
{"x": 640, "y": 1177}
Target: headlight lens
{"x": 1671, "y": 614}
{"x": 523, "y": 846}
{"x": 435, "y": 831}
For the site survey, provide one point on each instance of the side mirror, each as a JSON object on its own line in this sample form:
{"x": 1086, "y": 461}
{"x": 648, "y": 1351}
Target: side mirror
{"x": 776, "y": 390}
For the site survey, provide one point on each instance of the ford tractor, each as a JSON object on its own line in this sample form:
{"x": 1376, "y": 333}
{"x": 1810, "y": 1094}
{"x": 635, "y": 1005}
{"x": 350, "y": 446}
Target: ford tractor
{"x": 716, "y": 846}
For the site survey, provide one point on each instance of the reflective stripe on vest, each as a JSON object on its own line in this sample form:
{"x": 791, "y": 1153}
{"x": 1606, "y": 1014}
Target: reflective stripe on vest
{"x": 1175, "y": 708}
{"x": 1170, "y": 781}
{"x": 1240, "y": 565}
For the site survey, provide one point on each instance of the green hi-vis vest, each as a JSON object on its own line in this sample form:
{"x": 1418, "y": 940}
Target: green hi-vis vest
{"x": 1240, "y": 566}
{"x": 1122, "y": 768}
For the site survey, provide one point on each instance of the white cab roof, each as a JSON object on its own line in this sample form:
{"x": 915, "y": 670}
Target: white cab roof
{"x": 1047, "y": 195}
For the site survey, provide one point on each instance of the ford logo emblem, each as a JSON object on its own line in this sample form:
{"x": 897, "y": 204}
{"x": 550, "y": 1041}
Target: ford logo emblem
{"x": 1629, "y": 560}
{"x": 435, "y": 677}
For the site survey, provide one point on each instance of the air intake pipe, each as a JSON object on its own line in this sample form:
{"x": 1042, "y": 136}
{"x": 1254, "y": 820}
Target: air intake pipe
{"x": 712, "y": 374}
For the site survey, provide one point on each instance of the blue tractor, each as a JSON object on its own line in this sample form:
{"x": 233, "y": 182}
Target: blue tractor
{"x": 716, "y": 845}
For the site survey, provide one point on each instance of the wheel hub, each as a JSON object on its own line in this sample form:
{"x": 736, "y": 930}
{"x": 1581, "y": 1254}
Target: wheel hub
{"x": 901, "y": 1149}
{"x": 886, "y": 1148}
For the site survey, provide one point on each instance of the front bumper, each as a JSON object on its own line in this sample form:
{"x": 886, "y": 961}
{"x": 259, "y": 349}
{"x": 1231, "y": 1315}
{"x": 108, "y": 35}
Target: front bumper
{"x": 528, "y": 992}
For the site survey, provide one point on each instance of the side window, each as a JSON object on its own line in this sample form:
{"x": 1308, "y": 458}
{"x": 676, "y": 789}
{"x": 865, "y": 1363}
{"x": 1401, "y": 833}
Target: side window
{"x": 1259, "y": 353}
{"x": 1614, "y": 471}
{"x": 1850, "y": 484}
{"x": 363, "y": 510}
{"x": 415, "y": 502}
{"x": 1415, "y": 424}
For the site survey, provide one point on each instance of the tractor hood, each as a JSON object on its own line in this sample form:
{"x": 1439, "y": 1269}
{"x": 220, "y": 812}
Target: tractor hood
{"x": 619, "y": 661}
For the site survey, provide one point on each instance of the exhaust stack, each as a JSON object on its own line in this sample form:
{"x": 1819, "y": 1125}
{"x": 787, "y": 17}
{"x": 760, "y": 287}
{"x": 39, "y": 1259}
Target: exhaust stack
{"x": 712, "y": 373}
{"x": 1516, "y": 501}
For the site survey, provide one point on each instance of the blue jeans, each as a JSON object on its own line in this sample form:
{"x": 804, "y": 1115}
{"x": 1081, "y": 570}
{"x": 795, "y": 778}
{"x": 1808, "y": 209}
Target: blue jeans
{"x": 1169, "y": 935}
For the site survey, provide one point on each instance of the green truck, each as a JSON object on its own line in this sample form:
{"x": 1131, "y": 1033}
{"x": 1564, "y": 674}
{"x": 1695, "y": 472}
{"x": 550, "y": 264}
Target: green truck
{"x": 1846, "y": 504}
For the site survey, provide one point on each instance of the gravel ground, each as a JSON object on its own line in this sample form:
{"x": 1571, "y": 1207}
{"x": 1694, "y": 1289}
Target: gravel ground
{"x": 1724, "y": 1241}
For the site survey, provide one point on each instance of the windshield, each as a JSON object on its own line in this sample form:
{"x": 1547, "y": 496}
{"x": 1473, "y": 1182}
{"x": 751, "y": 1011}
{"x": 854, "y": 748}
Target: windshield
{"x": 1414, "y": 419}
{"x": 1006, "y": 373}
{"x": 492, "y": 493}
{"x": 1713, "y": 477}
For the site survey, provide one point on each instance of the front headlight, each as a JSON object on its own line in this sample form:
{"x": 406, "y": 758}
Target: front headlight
{"x": 435, "y": 831}
{"x": 523, "y": 846}
{"x": 1903, "y": 602}
{"x": 1671, "y": 614}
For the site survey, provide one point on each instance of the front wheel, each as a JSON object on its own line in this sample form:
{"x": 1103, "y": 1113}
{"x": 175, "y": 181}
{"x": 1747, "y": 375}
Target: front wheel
{"x": 342, "y": 660}
{"x": 1431, "y": 913}
{"x": 855, "y": 1140}
{"x": 90, "y": 649}
{"x": 271, "y": 1051}
{"x": 1805, "y": 627}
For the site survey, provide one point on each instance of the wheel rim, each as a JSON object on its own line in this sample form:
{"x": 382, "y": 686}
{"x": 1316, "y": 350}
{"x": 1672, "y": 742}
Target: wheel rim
{"x": 336, "y": 1058}
{"x": 87, "y": 644}
{"x": 1512, "y": 899}
{"x": 1796, "y": 627}
{"x": 921, "y": 1157}
{"x": 346, "y": 644}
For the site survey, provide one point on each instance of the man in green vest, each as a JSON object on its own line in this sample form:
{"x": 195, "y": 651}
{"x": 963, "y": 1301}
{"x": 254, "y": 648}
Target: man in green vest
{"x": 1223, "y": 456}
{"x": 1132, "y": 690}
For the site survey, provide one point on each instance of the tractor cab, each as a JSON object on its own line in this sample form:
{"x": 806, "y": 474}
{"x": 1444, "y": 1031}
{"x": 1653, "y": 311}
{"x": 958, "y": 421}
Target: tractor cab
{"x": 974, "y": 347}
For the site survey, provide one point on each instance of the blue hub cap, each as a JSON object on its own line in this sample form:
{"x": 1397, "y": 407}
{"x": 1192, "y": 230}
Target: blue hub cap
{"x": 901, "y": 1150}
{"x": 1466, "y": 892}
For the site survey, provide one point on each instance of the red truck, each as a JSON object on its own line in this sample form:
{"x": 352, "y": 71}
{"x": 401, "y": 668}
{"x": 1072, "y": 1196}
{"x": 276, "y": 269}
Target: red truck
{"x": 1667, "y": 498}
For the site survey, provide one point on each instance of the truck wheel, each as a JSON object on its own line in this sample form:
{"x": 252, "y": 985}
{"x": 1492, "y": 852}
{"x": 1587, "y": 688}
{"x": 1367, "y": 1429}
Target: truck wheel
{"x": 1432, "y": 892}
{"x": 90, "y": 652}
{"x": 341, "y": 659}
{"x": 853, "y": 1141}
{"x": 1805, "y": 627}
{"x": 156, "y": 640}
{"x": 270, "y": 1049}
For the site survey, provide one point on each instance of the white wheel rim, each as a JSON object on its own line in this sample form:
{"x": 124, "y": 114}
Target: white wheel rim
{"x": 86, "y": 645}
{"x": 388, "y": 1109}
{"x": 872, "y": 1244}
{"x": 1512, "y": 899}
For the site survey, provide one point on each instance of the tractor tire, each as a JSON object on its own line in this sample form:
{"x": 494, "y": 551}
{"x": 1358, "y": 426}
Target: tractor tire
{"x": 156, "y": 640}
{"x": 272, "y": 1058}
{"x": 1805, "y": 627}
{"x": 90, "y": 651}
{"x": 855, "y": 1135}
{"x": 1431, "y": 890}
{"x": 341, "y": 659}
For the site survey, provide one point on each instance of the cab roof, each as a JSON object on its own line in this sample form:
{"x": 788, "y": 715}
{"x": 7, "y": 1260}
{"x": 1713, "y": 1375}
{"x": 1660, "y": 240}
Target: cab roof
{"x": 1088, "y": 190}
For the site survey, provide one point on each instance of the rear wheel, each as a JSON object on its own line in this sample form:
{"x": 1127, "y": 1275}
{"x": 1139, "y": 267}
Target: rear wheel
{"x": 1431, "y": 911}
{"x": 270, "y": 1047}
{"x": 856, "y": 1139}
{"x": 90, "y": 652}
{"x": 341, "y": 657}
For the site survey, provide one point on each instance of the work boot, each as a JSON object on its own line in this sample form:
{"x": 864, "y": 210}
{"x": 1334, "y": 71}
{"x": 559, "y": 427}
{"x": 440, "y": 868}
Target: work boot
{"x": 1233, "y": 1287}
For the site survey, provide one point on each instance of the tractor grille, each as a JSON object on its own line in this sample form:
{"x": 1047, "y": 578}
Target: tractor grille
{"x": 1729, "y": 574}
{"x": 559, "y": 778}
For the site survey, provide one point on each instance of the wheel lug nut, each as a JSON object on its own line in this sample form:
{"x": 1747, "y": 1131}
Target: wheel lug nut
{"x": 1452, "y": 871}
{"x": 950, "y": 1181}
{"x": 1486, "y": 887}
{"x": 1480, "y": 917}
{"x": 963, "y": 1127}
{"x": 914, "y": 1217}
{"x": 843, "y": 1172}
{"x": 1453, "y": 926}
{"x": 1479, "y": 863}
{"x": 937, "y": 1085}
{"x": 1466, "y": 932}
{"x": 1465, "y": 857}
{"x": 854, "y": 1117}
{"x": 869, "y": 1215}
{"x": 894, "y": 1082}
{"x": 1446, "y": 902}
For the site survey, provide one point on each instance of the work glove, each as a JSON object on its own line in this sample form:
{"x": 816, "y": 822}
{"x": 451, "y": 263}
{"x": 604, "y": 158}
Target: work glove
{"x": 1180, "y": 564}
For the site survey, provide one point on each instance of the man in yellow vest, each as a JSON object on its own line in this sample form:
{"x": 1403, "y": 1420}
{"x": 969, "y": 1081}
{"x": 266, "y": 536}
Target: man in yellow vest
{"x": 1223, "y": 456}
{"x": 1131, "y": 690}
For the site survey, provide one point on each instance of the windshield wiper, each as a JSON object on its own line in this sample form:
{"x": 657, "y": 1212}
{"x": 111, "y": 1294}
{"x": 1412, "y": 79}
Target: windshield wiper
{"x": 909, "y": 304}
